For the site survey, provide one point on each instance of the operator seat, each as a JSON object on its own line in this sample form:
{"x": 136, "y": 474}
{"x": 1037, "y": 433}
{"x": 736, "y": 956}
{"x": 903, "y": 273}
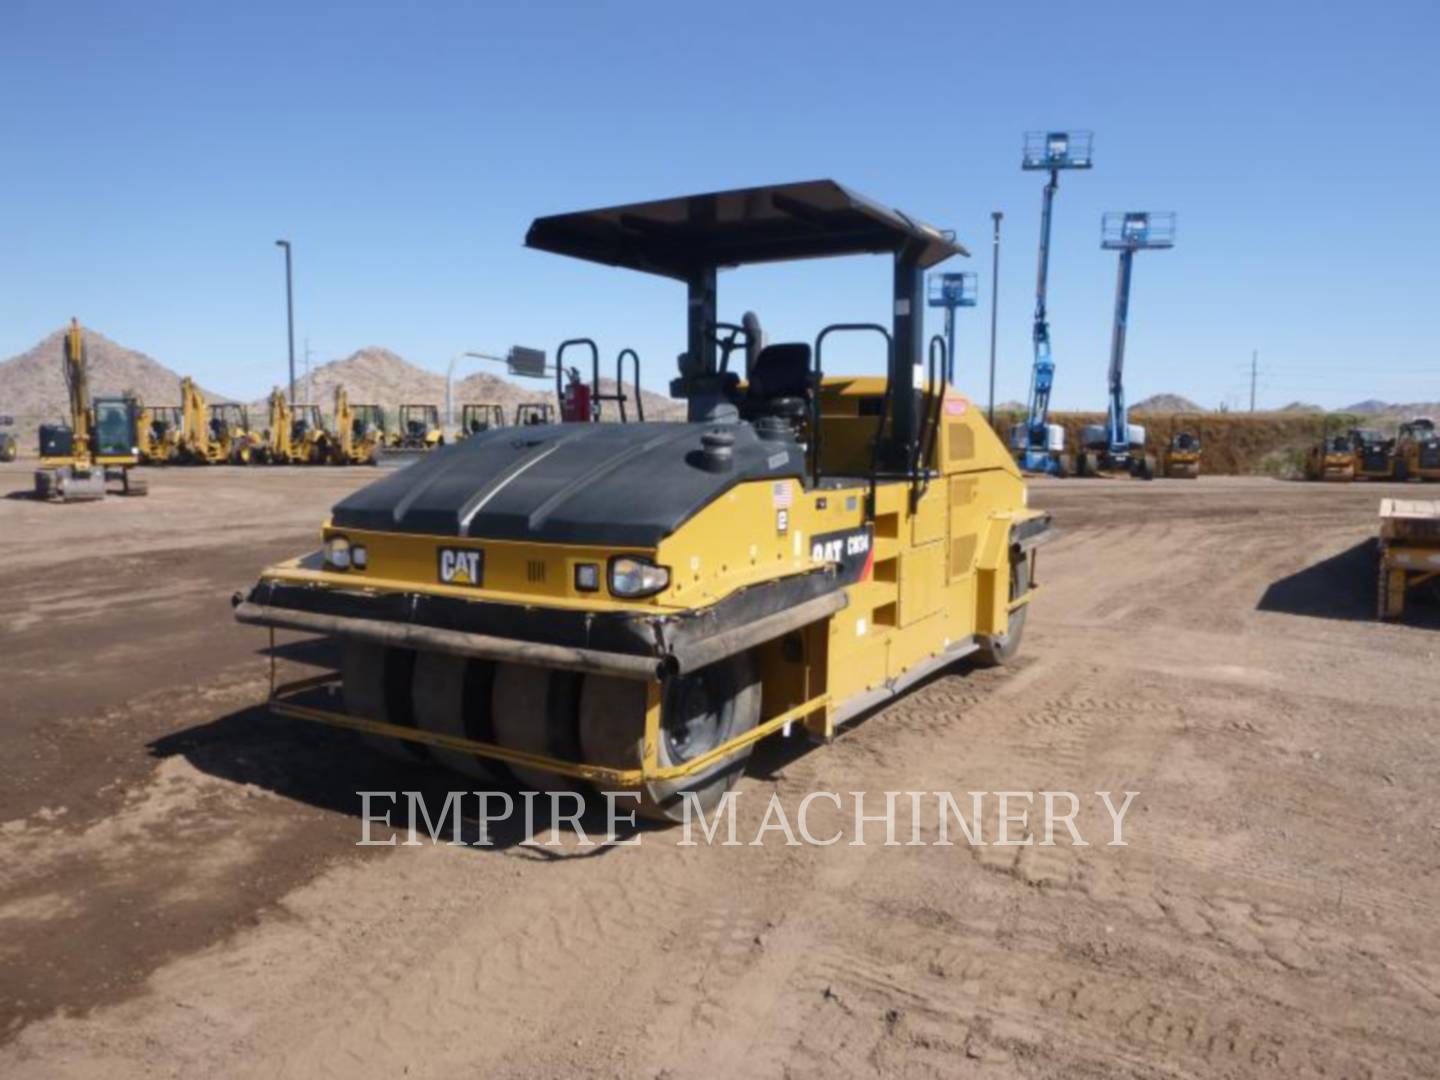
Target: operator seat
{"x": 780, "y": 383}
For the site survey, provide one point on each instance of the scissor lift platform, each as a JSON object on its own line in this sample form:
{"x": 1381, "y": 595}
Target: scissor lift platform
{"x": 1409, "y": 551}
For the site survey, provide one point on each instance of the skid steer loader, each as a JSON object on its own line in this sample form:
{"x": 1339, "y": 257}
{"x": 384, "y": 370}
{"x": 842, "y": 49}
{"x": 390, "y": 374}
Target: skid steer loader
{"x": 636, "y": 604}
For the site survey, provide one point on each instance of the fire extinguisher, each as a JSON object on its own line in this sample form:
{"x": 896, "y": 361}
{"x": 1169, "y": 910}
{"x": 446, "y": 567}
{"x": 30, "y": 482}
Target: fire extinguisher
{"x": 576, "y": 408}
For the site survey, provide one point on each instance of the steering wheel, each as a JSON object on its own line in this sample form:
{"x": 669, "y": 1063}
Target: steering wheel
{"x": 730, "y": 342}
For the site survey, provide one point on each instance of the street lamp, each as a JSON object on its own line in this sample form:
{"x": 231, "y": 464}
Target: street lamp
{"x": 289, "y": 315}
{"x": 995, "y": 216}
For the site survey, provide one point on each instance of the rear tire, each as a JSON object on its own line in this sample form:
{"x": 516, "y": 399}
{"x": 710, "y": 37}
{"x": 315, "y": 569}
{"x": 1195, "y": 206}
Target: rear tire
{"x": 377, "y": 687}
{"x": 450, "y": 695}
{"x": 533, "y": 709}
{"x": 997, "y": 650}
{"x": 700, "y": 711}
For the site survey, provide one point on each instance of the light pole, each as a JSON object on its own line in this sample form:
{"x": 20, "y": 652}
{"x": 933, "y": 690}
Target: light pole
{"x": 995, "y": 216}
{"x": 289, "y": 315}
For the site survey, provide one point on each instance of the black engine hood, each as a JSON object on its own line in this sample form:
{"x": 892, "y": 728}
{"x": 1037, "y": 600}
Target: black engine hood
{"x": 626, "y": 485}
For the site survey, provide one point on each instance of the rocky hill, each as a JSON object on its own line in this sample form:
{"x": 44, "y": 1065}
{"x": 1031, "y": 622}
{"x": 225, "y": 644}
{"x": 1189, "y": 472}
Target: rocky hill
{"x": 1166, "y": 403}
{"x": 32, "y": 385}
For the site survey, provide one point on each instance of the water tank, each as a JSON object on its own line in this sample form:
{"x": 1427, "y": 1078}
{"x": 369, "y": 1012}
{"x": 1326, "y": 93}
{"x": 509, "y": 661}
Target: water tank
{"x": 1136, "y": 434}
{"x": 1054, "y": 438}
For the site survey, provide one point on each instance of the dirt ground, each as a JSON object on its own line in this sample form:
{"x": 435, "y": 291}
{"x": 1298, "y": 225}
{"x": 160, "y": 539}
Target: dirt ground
{"x": 181, "y": 894}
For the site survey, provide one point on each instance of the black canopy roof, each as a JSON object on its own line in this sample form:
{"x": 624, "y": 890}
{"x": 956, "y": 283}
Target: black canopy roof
{"x": 676, "y": 237}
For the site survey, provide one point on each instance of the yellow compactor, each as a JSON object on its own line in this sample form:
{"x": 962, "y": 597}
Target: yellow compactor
{"x": 634, "y": 605}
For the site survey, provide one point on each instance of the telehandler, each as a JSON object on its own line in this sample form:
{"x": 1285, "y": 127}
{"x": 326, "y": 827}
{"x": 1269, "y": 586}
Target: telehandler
{"x": 636, "y": 604}
{"x": 101, "y": 442}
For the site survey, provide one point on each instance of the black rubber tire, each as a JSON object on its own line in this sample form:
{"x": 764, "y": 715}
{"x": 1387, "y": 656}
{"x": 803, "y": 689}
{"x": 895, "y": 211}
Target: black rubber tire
{"x": 450, "y": 695}
{"x": 376, "y": 681}
{"x": 720, "y": 702}
{"x": 534, "y": 709}
{"x": 996, "y": 650}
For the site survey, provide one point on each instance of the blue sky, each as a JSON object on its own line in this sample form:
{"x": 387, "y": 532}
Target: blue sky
{"x": 153, "y": 152}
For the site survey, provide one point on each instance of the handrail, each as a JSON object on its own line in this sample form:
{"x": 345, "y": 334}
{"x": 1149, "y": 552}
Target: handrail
{"x": 935, "y": 369}
{"x": 816, "y": 377}
{"x": 620, "y": 385}
{"x": 560, "y": 374}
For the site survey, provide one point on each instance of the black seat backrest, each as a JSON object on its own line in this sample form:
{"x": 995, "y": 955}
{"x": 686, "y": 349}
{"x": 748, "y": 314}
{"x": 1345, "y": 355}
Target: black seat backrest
{"x": 781, "y": 371}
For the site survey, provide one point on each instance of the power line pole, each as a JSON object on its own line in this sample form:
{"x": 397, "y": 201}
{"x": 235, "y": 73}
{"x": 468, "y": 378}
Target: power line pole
{"x": 1254, "y": 369}
{"x": 289, "y": 314}
{"x": 995, "y": 216}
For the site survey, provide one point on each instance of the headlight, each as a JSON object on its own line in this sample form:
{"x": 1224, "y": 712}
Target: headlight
{"x": 632, "y": 577}
{"x": 359, "y": 557}
{"x": 337, "y": 553}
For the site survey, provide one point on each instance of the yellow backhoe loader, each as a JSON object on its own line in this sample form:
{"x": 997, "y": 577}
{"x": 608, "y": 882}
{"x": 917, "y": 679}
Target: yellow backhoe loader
{"x": 160, "y": 434}
{"x": 480, "y": 416}
{"x": 9, "y": 449}
{"x": 101, "y": 442}
{"x": 417, "y": 434}
{"x": 529, "y": 413}
{"x": 296, "y": 435}
{"x": 635, "y": 605}
{"x": 359, "y": 432}
{"x": 214, "y": 434}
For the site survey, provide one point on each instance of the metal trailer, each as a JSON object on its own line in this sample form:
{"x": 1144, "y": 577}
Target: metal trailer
{"x": 1409, "y": 551}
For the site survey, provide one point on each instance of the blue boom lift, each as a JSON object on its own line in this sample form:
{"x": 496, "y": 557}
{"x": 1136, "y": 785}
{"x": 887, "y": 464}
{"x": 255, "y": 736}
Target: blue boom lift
{"x": 1119, "y": 446}
{"x": 1039, "y": 445}
{"x": 951, "y": 291}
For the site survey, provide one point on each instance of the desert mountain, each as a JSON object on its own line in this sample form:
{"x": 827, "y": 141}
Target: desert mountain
{"x": 1166, "y": 403}
{"x": 1404, "y": 411}
{"x": 32, "y": 385}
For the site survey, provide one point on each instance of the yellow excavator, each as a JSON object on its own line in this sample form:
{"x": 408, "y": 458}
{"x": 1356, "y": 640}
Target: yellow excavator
{"x": 480, "y": 416}
{"x": 635, "y": 605}
{"x": 100, "y": 443}
{"x": 359, "y": 432}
